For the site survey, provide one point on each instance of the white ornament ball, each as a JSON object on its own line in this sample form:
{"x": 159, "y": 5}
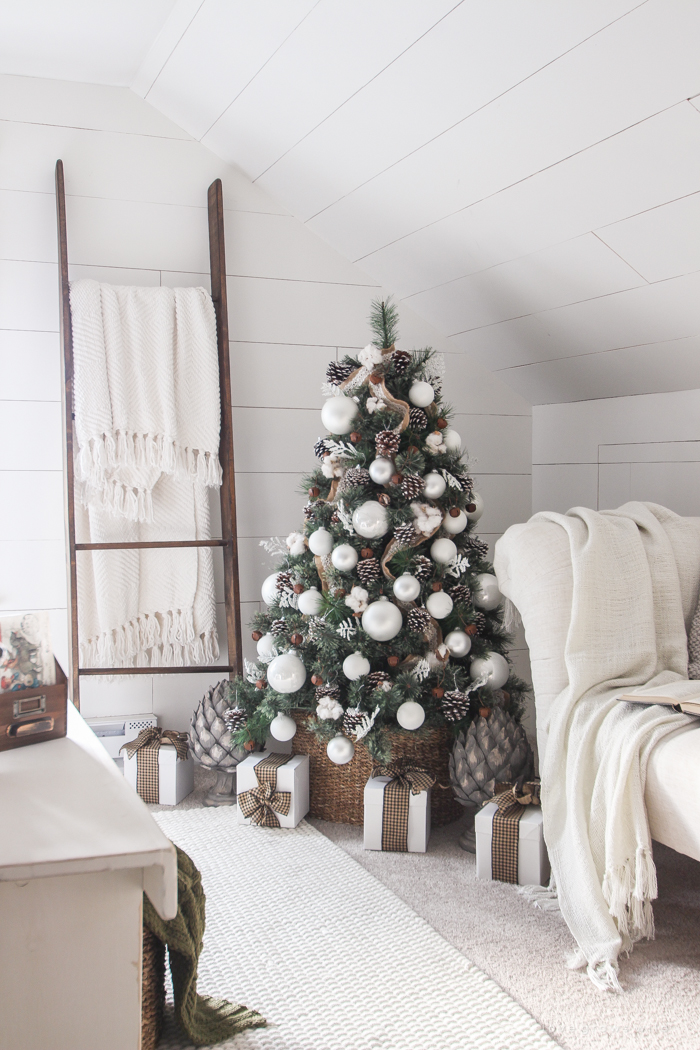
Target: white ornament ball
{"x": 338, "y": 414}
{"x": 439, "y": 605}
{"x": 410, "y": 715}
{"x": 370, "y": 520}
{"x": 451, "y": 440}
{"x": 487, "y": 595}
{"x": 282, "y": 727}
{"x": 355, "y": 666}
{"x": 458, "y": 642}
{"x": 309, "y": 602}
{"x": 494, "y": 666}
{"x": 344, "y": 557}
{"x": 269, "y": 591}
{"x": 321, "y": 542}
{"x": 456, "y": 524}
{"x": 435, "y": 485}
{"x": 478, "y": 502}
{"x": 421, "y": 394}
{"x": 286, "y": 674}
{"x": 381, "y": 470}
{"x": 406, "y": 587}
{"x": 266, "y": 646}
{"x": 382, "y": 620}
{"x": 443, "y": 550}
{"x": 340, "y": 750}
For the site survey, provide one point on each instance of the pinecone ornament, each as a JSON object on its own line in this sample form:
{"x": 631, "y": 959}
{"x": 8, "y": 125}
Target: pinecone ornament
{"x": 337, "y": 372}
{"x": 423, "y": 568}
{"x": 278, "y": 627}
{"x": 284, "y": 581}
{"x": 387, "y": 443}
{"x": 352, "y": 719}
{"x": 235, "y": 719}
{"x": 460, "y": 594}
{"x": 369, "y": 570}
{"x": 405, "y": 533}
{"x": 210, "y": 737}
{"x": 479, "y": 622}
{"x": 417, "y": 419}
{"x": 418, "y": 620}
{"x": 375, "y": 678}
{"x": 308, "y": 511}
{"x": 454, "y": 705}
{"x": 493, "y": 750}
{"x": 480, "y": 548}
{"x": 333, "y": 691}
{"x": 400, "y": 359}
{"x": 320, "y": 448}
{"x": 465, "y": 482}
{"x": 356, "y": 476}
{"x": 412, "y": 486}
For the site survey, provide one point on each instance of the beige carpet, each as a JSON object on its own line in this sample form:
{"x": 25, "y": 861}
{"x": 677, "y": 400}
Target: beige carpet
{"x": 524, "y": 949}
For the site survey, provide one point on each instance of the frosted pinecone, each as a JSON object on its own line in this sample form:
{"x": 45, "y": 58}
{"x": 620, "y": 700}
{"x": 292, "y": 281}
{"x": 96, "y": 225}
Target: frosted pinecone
{"x": 479, "y": 622}
{"x": 210, "y": 737}
{"x": 278, "y": 627}
{"x": 375, "y": 678}
{"x": 465, "y": 482}
{"x": 320, "y": 448}
{"x": 352, "y": 719}
{"x": 423, "y": 568}
{"x": 284, "y": 581}
{"x": 235, "y": 719}
{"x": 308, "y": 511}
{"x": 454, "y": 705}
{"x": 480, "y": 548}
{"x": 400, "y": 359}
{"x": 387, "y": 443}
{"x": 315, "y": 628}
{"x": 369, "y": 570}
{"x": 337, "y": 372}
{"x": 412, "y": 486}
{"x": 328, "y": 689}
{"x": 494, "y": 749}
{"x": 460, "y": 594}
{"x": 418, "y": 620}
{"x": 417, "y": 419}
{"x": 356, "y": 476}
{"x": 405, "y": 533}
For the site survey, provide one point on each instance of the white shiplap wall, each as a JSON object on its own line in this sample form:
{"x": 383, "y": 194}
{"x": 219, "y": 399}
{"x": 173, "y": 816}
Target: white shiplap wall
{"x": 136, "y": 205}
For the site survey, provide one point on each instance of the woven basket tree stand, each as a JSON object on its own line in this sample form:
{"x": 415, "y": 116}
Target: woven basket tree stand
{"x": 337, "y": 792}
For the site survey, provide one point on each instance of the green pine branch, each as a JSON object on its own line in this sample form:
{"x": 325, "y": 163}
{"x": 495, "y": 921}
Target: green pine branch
{"x": 384, "y": 322}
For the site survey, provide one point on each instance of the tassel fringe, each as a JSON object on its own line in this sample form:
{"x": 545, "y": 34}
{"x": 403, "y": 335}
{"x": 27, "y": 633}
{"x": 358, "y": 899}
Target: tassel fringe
{"x": 511, "y": 617}
{"x": 170, "y": 640}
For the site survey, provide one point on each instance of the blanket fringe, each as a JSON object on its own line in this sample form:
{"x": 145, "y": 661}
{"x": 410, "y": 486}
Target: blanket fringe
{"x": 603, "y": 973}
{"x": 170, "y": 639}
{"x": 512, "y": 620}
{"x": 628, "y": 891}
{"x": 543, "y": 897}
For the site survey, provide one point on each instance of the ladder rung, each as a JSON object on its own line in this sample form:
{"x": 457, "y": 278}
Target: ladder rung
{"x": 150, "y": 545}
{"x": 198, "y": 669}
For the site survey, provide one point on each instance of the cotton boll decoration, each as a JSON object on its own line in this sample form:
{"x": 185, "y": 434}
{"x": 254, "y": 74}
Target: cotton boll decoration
{"x": 478, "y": 504}
{"x": 370, "y": 520}
{"x": 286, "y": 674}
{"x": 266, "y": 647}
{"x": 459, "y": 643}
{"x": 381, "y": 470}
{"x": 282, "y": 727}
{"x": 329, "y": 709}
{"x": 269, "y": 591}
{"x": 427, "y": 517}
{"x": 382, "y": 620}
{"x": 321, "y": 542}
{"x": 344, "y": 557}
{"x": 340, "y": 750}
{"x": 443, "y": 550}
{"x": 494, "y": 667}
{"x": 454, "y": 523}
{"x": 295, "y": 543}
{"x": 355, "y": 666}
{"x": 451, "y": 440}
{"x": 434, "y": 485}
{"x": 487, "y": 596}
{"x": 421, "y": 394}
{"x": 410, "y": 715}
{"x": 406, "y": 588}
{"x": 309, "y": 603}
{"x": 439, "y": 605}
{"x": 338, "y": 414}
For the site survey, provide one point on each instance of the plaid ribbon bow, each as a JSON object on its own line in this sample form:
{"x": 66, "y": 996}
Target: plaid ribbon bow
{"x": 405, "y": 781}
{"x": 146, "y": 747}
{"x": 264, "y": 802}
{"x": 511, "y": 800}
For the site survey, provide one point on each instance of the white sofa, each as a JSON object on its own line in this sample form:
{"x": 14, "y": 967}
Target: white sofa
{"x": 533, "y": 565}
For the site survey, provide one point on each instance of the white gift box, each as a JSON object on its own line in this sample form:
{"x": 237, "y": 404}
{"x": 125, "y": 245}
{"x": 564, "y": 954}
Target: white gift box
{"x": 175, "y": 775}
{"x": 533, "y": 862}
{"x": 293, "y": 776}
{"x": 418, "y": 816}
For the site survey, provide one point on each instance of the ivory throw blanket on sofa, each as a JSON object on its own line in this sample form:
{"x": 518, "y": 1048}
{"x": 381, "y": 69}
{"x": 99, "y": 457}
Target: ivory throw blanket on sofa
{"x": 147, "y": 420}
{"x": 630, "y": 579}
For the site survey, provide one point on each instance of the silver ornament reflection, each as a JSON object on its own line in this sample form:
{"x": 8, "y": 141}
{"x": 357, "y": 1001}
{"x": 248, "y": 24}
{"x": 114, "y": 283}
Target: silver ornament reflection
{"x": 487, "y": 596}
{"x": 340, "y": 750}
{"x": 435, "y": 485}
{"x": 382, "y": 620}
{"x": 494, "y": 667}
{"x": 410, "y": 715}
{"x": 282, "y": 727}
{"x": 406, "y": 587}
{"x": 286, "y": 673}
{"x": 338, "y": 414}
{"x": 381, "y": 470}
{"x": 344, "y": 557}
{"x": 458, "y": 642}
{"x": 439, "y": 605}
{"x": 370, "y": 520}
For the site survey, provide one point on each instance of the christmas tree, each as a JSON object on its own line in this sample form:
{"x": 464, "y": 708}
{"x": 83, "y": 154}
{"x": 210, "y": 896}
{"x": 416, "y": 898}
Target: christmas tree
{"x": 383, "y": 612}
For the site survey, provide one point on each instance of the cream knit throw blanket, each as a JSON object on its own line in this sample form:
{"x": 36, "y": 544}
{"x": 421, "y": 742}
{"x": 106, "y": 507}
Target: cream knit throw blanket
{"x": 627, "y": 632}
{"x": 147, "y": 417}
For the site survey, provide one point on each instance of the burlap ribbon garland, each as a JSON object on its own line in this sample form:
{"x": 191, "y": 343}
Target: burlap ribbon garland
{"x": 264, "y": 802}
{"x": 405, "y": 781}
{"x": 146, "y": 747}
{"x": 511, "y": 800}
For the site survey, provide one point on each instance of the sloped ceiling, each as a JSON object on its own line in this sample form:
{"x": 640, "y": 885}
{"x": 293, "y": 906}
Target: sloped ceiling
{"x": 525, "y": 175}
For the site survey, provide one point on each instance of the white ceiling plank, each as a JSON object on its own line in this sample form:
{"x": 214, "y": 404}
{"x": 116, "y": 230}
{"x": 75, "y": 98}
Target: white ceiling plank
{"x": 657, "y": 368}
{"x": 170, "y": 35}
{"x": 341, "y": 46}
{"x": 661, "y": 243}
{"x": 101, "y": 43}
{"x": 226, "y": 44}
{"x": 577, "y": 270}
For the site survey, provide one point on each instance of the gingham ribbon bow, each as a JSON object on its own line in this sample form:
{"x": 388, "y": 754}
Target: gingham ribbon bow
{"x": 511, "y": 800}
{"x": 146, "y": 748}
{"x": 405, "y": 780}
{"x": 413, "y": 777}
{"x": 264, "y": 802}
{"x": 154, "y": 735}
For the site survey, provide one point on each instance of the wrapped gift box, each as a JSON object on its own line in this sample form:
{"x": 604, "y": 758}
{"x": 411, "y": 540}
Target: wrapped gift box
{"x": 293, "y": 776}
{"x": 533, "y": 862}
{"x": 418, "y": 816}
{"x": 175, "y": 775}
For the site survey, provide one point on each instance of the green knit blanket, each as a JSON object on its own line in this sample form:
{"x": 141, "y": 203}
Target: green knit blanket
{"x": 203, "y": 1020}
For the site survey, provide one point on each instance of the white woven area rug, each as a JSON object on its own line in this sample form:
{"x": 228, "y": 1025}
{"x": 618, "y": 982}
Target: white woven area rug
{"x": 297, "y": 930}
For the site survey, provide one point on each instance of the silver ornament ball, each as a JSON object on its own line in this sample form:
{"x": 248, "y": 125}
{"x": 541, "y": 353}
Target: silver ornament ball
{"x": 355, "y": 666}
{"x": 381, "y": 470}
{"x": 454, "y": 523}
{"x": 410, "y": 715}
{"x": 458, "y": 642}
{"x": 382, "y": 620}
{"x": 487, "y": 595}
{"x": 338, "y": 414}
{"x": 478, "y": 502}
{"x": 282, "y": 727}
{"x": 266, "y": 646}
{"x": 286, "y": 673}
{"x": 269, "y": 591}
{"x": 340, "y": 750}
{"x": 344, "y": 557}
{"x": 494, "y": 667}
{"x": 434, "y": 485}
{"x": 443, "y": 550}
{"x": 406, "y": 587}
{"x": 451, "y": 440}
{"x": 309, "y": 602}
{"x": 370, "y": 520}
{"x": 421, "y": 394}
{"x": 321, "y": 542}
{"x": 439, "y": 605}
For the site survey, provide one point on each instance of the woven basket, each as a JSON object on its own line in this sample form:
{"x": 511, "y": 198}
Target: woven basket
{"x": 337, "y": 792}
{"x": 152, "y": 990}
